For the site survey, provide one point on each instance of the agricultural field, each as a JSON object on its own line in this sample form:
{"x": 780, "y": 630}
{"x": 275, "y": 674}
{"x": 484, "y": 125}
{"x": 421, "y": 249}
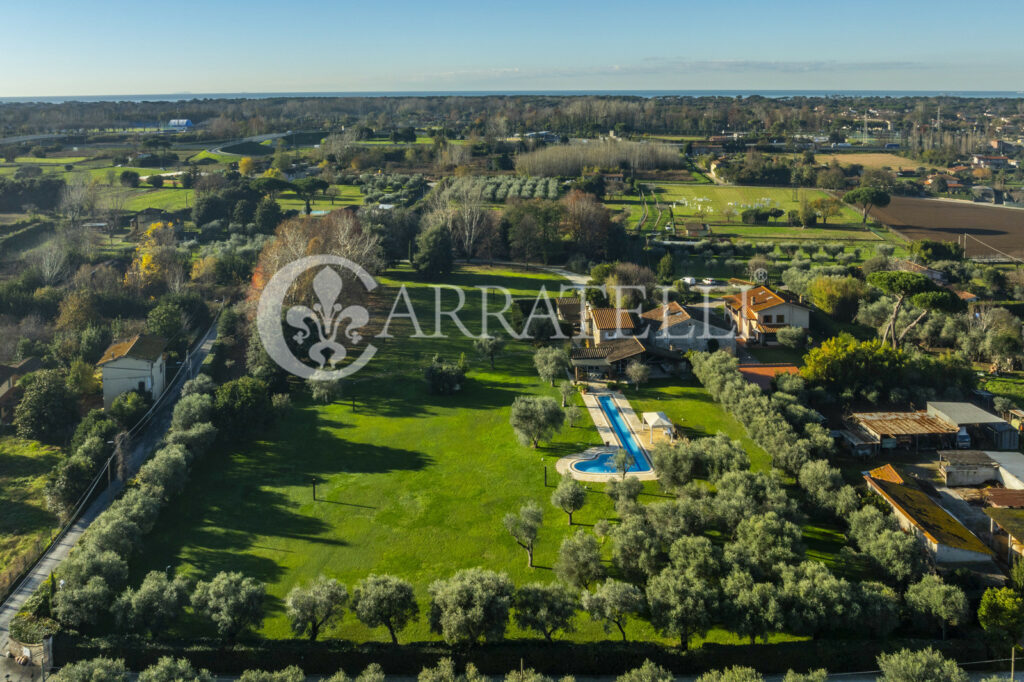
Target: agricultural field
{"x": 408, "y": 483}
{"x": 945, "y": 220}
{"x": 688, "y": 201}
{"x": 26, "y": 521}
{"x": 498, "y": 189}
{"x": 870, "y": 160}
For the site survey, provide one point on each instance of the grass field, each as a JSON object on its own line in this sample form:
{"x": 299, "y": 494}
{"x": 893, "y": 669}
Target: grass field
{"x": 407, "y": 483}
{"x": 168, "y": 199}
{"x": 348, "y": 195}
{"x": 24, "y": 521}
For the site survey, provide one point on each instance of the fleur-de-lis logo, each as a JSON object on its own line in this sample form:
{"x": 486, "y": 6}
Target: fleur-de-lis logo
{"x": 324, "y": 320}
{"x": 321, "y": 323}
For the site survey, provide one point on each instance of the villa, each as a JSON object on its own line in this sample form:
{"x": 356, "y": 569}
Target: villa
{"x": 759, "y": 314}
{"x": 614, "y": 337}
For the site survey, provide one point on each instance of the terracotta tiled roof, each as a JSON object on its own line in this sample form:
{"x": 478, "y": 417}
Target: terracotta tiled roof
{"x": 753, "y": 301}
{"x": 932, "y": 520}
{"x": 966, "y": 296}
{"x": 608, "y": 319}
{"x": 762, "y": 374}
{"x": 667, "y": 315}
{"x": 141, "y": 346}
{"x": 886, "y": 473}
{"x": 611, "y": 351}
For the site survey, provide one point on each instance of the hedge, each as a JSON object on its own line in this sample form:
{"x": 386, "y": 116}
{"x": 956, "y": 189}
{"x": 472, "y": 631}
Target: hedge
{"x": 554, "y": 659}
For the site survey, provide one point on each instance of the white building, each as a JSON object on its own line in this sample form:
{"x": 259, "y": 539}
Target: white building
{"x": 137, "y": 364}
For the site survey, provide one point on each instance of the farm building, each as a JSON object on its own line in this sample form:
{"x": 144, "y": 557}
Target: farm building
{"x": 759, "y": 314}
{"x": 137, "y": 364}
{"x": 180, "y": 124}
{"x": 869, "y": 432}
{"x": 946, "y": 539}
{"x": 1007, "y": 528}
{"x": 981, "y": 425}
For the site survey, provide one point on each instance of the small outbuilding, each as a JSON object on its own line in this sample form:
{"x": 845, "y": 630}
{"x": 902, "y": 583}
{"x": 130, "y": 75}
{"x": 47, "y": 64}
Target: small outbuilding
{"x": 980, "y": 424}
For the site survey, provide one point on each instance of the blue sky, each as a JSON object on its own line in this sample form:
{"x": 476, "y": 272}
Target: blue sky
{"x": 65, "y": 47}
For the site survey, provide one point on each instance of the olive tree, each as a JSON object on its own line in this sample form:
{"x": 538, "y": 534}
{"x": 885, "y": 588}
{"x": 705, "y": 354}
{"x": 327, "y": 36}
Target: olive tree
{"x": 232, "y": 601}
{"x": 316, "y": 606}
{"x": 579, "y": 560}
{"x": 156, "y": 602}
{"x": 569, "y": 496}
{"x": 535, "y": 418}
{"x": 550, "y": 363}
{"x": 169, "y": 669}
{"x": 613, "y": 603}
{"x": 937, "y": 601}
{"x": 545, "y": 608}
{"x": 473, "y": 604}
{"x": 907, "y": 665}
{"x": 385, "y": 601}
{"x": 524, "y": 526}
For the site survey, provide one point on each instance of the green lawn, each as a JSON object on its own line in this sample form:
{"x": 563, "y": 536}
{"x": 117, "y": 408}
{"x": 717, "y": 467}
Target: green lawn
{"x": 168, "y": 199}
{"x": 1011, "y": 387}
{"x": 408, "y": 483}
{"x": 781, "y": 230}
{"x": 25, "y": 519}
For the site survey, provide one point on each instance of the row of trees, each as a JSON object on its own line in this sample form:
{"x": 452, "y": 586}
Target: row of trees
{"x": 905, "y": 665}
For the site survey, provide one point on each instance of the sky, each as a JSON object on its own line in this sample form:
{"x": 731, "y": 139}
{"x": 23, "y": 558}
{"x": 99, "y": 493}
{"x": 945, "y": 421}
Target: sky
{"x": 112, "y": 47}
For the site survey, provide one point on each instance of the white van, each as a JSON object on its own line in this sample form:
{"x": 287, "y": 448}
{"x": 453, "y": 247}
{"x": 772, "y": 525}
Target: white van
{"x": 963, "y": 439}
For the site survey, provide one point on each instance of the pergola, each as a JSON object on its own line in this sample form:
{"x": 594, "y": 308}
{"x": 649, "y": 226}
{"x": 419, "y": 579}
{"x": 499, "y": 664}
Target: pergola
{"x": 658, "y": 420}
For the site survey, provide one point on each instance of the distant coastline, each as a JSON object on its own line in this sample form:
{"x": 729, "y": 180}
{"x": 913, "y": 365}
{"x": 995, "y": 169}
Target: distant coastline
{"x": 774, "y": 94}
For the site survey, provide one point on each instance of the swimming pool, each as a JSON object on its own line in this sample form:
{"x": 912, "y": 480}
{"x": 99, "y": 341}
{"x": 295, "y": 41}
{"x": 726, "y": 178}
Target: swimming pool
{"x": 605, "y": 464}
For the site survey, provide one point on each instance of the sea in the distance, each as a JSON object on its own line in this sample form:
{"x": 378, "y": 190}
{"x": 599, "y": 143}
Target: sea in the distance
{"x": 187, "y": 96}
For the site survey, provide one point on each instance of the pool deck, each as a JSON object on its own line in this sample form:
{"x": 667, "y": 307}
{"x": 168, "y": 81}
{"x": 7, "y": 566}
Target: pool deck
{"x": 608, "y": 437}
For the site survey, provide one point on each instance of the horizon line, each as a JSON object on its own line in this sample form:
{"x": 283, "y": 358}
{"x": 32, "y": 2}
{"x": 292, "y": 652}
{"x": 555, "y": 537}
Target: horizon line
{"x": 883, "y": 92}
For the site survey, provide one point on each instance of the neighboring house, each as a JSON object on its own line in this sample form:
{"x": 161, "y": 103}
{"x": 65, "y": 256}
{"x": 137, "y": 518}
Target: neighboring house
{"x": 966, "y": 296}
{"x": 673, "y": 327}
{"x": 180, "y": 124}
{"x": 761, "y": 375}
{"x": 137, "y": 364}
{"x": 992, "y": 162}
{"x": 607, "y": 360}
{"x": 759, "y": 314}
{"x": 947, "y": 540}
{"x": 10, "y": 394}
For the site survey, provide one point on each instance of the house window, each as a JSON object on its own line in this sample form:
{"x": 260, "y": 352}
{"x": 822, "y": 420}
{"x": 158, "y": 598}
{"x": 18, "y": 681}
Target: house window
{"x": 780, "y": 318}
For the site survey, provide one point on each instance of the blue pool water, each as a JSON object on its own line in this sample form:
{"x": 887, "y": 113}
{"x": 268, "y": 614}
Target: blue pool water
{"x": 605, "y": 464}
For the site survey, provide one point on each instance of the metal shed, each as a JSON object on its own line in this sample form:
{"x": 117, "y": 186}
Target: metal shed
{"x": 983, "y": 424}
